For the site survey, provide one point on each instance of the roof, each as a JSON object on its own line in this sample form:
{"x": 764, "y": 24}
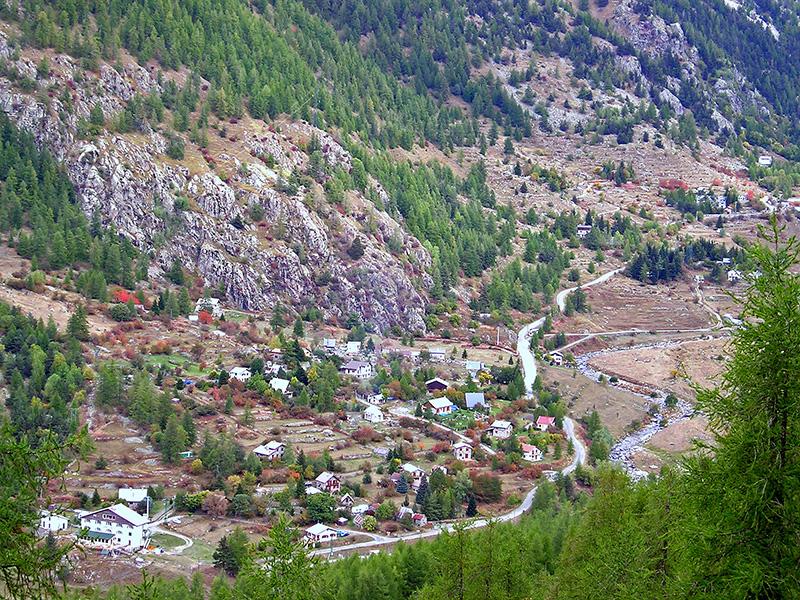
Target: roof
{"x": 325, "y": 477}
{"x": 373, "y": 410}
{"x": 318, "y": 529}
{"x": 437, "y": 380}
{"x": 529, "y": 448}
{"x": 473, "y": 399}
{"x": 268, "y": 448}
{"x": 278, "y": 384}
{"x": 99, "y": 535}
{"x": 475, "y": 365}
{"x": 462, "y": 445}
{"x": 132, "y": 494}
{"x": 411, "y": 468}
{"x": 440, "y": 402}
{"x": 501, "y": 425}
{"x": 437, "y": 351}
{"x": 354, "y": 365}
{"x": 131, "y": 516}
{"x": 544, "y": 420}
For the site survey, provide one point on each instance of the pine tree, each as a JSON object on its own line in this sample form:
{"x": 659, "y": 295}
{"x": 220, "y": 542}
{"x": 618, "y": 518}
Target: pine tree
{"x": 472, "y": 506}
{"x": 173, "y": 440}
{"x": 78, "y": 326}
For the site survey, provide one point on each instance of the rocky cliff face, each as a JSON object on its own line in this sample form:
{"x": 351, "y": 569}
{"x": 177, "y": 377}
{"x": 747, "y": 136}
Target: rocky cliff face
{"x": 295, "y": 255}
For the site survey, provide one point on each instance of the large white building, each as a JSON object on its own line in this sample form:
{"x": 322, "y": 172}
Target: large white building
{"x": 52, "y": 522}
{"x": 116, "y": 526}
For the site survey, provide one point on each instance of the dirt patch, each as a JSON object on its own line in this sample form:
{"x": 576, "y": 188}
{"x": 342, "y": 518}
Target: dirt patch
{"x": 668, "y": 366}
{"x": 678, "y": 438}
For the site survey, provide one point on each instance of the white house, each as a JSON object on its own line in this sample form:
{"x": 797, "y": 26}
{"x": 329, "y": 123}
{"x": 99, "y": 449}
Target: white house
{"x": 556, "y": 358}
{"x": 473, "y": 367}
{"x": 279, "y": 385}
{"x": 320, "y": 534}
{"x": 462, "y": 451}
{"x": 352, "y": 348}
{"x": 135, "y": 498}
{"x": 116, "y": 526}
{"x": 376, "y": 399}
{"x": 328, "y": 482}
{"x": 272, "y": 450}
{"x": 765, "y": 160}
{"x": 357, "y": 368}
{"x": 373, "y": 414}
{"x": 437, "y": 354}
{"x": 436, "y": 385}
{"x": 209, "y": 305}
{"x": 543, "y": 422}
{"x": 329, "y": 345}
{"x": 735, "y": 275}
{"x": 414, "y": 475}
{"x": 531, "y": 453}
{"x": 583, "y": 230}
{"x": 242, "y": 374}
{"x": 440, "y": 406}
{"x": 501, "y": 430}
{"x": 52, "y": 522}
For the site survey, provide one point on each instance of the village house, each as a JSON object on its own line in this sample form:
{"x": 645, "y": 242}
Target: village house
{"x": 765, "y": 160}
{"x": 419, "y": 520}
{"x": 583, "y": 230}
{"x": 373, "y": 414}
{"x": 735, "y": 275}
{"x": 271, "y": 451}
{"x": 346, "y": 501}
{"x": 358, "y": 369}
{"x": 531, "y": 453}
{"x": 440, "y": 406}
{"x": 319, "y": 534}
{"x": 209, "y": 305}
{"x": 543, "y": 423}
{"x": 376, "y": 399}
{"x": 279, "y": 384}
{"x": 242, "y": 374}
{"x": 699, "y": 279}
{"x": 414, "y": 475}
{"x": 328, "y": 482}
{"x": 52, "y": 522}
{"x": 352, "y": 348}
{"x": 501, "y": 430}
{"x": 436, "y": 385}
{"x": 462, "y": 451}
{"x": 474, "y": 400}
{"x": 404, "y": 511}
{"x": 329, "y": 345}
{"x": 116, "y": 526}
{"x": 437, "y": 354}
{"x": 473, "y": 367}
{"x": 556, "y": 358}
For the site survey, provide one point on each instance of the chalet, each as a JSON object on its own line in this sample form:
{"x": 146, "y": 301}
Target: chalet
{"x": 346, "y": 501}
{"x": 501, "y": 430}
{"x": 735, "y": 275}
{"x": 279, "y": 385}
{"x": 419, "y": 520}
{"x": 329, "y": 345}
{"x": 135, "y": 498}
{"x": 543, "y": 423}
{"x": 373, "y": 414}
{"x": 319, "y": 534}
{"x": 376, "y": 399}
{"x": 357, "y": 368}
{"x": 209, "y": 305}
{"x": 531, "y": 453}
{"x": 359, "y": 509}
{"x": 462, "y": 451}
{"x": 328, "y": 482}
{"x": 242, "y": 374}
{"x": 765, "y": 160}
{"x": 473, "y": 367}
{"x": 436, "y": 385}
{"x": 583, "y": 230}
{"x": 437, "y": 354}
{"x": 404, "y": 511}
{"x": 556, "y": 358}
{"x": 699, "y": 279}
{"x": 116, "y": 526}
{"x": 474, "y": 400}
{"x": 52, "y": 522}
{"x": 440, "y": 406}
{"x": 272, "y": 450}
{"x": 352, "y": 348}
{"x": 413, "y": 474}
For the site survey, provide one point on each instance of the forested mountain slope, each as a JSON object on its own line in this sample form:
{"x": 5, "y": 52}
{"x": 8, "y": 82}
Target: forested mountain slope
{"x": 278, "y": 132}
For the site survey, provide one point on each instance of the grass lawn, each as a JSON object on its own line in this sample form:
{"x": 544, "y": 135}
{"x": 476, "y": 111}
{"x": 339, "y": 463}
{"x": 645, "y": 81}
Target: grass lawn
{"x": 190, "y": 368}
{"x": 166, "y": 541}
{"x": 200, "y": 551}
{"x": 498, "y": 405}
{"x": 235, "y": 316}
